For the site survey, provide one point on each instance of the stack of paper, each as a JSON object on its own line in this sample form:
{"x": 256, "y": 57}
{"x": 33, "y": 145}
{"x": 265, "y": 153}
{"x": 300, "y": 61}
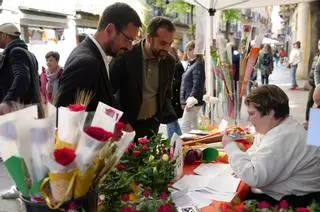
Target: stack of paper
{"x": 215, "y": 182}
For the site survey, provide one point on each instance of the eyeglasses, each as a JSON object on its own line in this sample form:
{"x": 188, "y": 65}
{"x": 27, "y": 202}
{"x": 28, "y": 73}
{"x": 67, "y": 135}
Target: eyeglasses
{"x": 127, "y": 37}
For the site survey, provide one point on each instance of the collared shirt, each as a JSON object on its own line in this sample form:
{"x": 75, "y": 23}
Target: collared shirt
{"x": 106, "y": 59}
{"x": 150, "y": 86}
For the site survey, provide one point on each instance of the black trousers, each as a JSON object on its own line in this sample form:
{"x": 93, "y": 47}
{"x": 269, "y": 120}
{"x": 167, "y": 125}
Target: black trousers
{"x": 293, "y": 200}
{"x": 265, "y": 79}
{"x": 309, "y": 102}
{"x": 146, "y": 127}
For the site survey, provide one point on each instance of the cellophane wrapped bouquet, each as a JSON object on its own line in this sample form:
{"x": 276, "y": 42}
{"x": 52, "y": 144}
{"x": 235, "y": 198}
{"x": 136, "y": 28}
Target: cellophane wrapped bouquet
{"x": 55, "y": 165}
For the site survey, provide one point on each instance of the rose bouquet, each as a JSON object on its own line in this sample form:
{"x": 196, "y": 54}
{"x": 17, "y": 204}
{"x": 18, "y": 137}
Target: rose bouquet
{"x": 55, "y": 165}
{"x": 140, "y": 180}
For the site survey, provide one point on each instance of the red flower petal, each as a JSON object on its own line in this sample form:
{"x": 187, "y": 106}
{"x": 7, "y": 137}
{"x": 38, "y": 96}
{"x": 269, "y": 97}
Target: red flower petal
{"x": 126, "y": 209}
{"x": 125, "y": 197}
{"x": 165, "y": 208}
{"x": 76, "y": 107}
{"x": 163, "y": 195}
{"x": 120, "y": 166}
{"x": 146, "y": 192}
{"x": 136, "y": 153}
{"x": 64, "y": 156}
{"x": 145, "y": 147}
{"x": 98, "y": 133}
{"x": 119, "y": 126}
{"x": 143, "y": 140}
{"x": 283, "y": 204}
{"x": 263, "y": 204}
{"x": 302, "y": 210}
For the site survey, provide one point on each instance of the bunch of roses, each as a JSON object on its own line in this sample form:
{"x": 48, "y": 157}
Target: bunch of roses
{"x": 140, "y": 181}
{"x": 263, "y": 206}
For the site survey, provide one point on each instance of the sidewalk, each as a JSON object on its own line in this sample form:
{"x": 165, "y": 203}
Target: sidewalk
{"x": 280, "y": 77}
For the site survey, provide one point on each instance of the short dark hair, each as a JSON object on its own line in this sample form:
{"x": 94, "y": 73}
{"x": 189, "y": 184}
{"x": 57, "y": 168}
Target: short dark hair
{"x": 119, "y": 14}
{"x": 298, "y": 43}
{"x": 269, "y": 97}
{"x": 53, "y": 54}
{"x": 159, "y": 22}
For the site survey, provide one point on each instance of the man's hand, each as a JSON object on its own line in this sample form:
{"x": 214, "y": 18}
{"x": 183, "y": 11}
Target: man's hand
{"x": 226, "y": 140}
{"x": 5, "y": 108}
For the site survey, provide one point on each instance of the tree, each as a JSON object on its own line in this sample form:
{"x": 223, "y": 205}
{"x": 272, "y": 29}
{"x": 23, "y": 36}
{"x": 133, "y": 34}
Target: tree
{"x": 229, "y": 16}
{"x": 177, "y": 6}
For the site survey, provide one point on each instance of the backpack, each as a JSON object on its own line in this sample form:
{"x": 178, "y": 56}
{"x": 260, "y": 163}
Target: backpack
{"x": 266, "y": 60}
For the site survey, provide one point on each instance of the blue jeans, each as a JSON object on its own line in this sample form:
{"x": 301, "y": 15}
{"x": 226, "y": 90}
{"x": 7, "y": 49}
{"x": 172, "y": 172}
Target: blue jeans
{"x": 293, "y": 75}
{"x": 173, "y": 127}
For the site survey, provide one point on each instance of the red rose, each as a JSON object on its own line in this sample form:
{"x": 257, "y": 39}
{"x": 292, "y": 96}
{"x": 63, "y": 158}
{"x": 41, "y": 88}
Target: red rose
{"x": 302, "y": 210}
{"x": 64, "y": 156}
{"x": 263, "y": 204}
{"x": 283, "y": 204}
{"x": 125, "y": 197}
{"x": 98, "y": 133}
{"x": 76, "y": 107}
{"x": 145, "y": 147}
{"x": 130, "y": 146}
{"x": 143, "y": 140}
{"x": 126, "y": 210}
{"x": 146, "y": 192}
{"x": 119, "y": 126}
{"x": 136, "y": 153}
{"x": 163, "y": 195}
{"x": 165, "y": 208}
{"x": 120, "y": 166}
{"x": 72, "y": 206}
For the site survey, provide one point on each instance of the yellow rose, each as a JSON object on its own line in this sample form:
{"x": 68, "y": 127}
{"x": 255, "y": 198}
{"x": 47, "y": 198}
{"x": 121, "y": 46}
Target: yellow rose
{"x": 132, "y": 197}
{"x": 165, "y": 157}
{"x": 151, "y": 158}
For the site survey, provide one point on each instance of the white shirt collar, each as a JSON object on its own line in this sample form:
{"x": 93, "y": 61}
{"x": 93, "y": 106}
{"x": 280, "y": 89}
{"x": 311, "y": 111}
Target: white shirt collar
{"x": 106, "y": 58}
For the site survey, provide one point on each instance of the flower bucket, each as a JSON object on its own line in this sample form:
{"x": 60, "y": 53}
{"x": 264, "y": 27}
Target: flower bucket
{"x": 88, "y": 203}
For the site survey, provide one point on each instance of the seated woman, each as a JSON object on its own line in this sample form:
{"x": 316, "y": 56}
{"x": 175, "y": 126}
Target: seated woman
{"x": 279, "y": 165}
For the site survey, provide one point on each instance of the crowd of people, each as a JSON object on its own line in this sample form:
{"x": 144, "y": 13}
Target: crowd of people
{"x": 149, "y": 83}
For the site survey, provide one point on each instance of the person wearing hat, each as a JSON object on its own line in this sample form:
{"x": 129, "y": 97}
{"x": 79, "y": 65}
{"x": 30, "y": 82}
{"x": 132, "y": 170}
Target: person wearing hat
{"x": 19, "y": 79}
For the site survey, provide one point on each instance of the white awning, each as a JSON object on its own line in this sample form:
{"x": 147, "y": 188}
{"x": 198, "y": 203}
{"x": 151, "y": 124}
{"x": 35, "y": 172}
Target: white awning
{"x": 221, "y": 4}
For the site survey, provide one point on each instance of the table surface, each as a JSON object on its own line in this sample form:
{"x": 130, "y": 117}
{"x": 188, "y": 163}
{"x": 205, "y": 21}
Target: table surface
{"x": 242, "y": 190}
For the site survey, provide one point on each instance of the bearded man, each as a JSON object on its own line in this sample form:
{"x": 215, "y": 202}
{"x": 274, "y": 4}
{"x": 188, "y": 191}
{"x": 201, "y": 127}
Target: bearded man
{"x": 88, "y": 64}
{"x": 142, "y": 79}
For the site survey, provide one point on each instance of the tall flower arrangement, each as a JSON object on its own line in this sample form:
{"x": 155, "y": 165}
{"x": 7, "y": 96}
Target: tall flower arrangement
{"x": 140, "y": 180}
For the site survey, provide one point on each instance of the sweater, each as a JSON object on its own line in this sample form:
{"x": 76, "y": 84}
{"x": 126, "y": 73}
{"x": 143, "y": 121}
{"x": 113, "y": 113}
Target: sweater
{"x": 279, "y": 163}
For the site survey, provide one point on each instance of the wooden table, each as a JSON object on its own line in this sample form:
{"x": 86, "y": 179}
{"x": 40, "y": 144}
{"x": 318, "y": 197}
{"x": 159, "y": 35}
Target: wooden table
{"x": 242, "y": 190}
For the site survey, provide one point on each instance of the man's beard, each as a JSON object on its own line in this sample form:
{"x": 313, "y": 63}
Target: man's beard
{"x": 160, "y": 54}
{"x": 109, "y": 49}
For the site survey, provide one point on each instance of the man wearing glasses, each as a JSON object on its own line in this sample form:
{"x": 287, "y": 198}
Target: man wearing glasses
{"x": 88, "y": 64}
{"x": 142, "y": 78}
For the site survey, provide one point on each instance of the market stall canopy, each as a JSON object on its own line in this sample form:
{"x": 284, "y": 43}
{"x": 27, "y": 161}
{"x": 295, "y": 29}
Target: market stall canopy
{"x": 224, "y": 4}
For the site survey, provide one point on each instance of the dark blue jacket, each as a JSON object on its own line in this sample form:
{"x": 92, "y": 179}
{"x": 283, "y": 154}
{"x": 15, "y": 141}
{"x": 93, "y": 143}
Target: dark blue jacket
{"x": 193, "y": 82}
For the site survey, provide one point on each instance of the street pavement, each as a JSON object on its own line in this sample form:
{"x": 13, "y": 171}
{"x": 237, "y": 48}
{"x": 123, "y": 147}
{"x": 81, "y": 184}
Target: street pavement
{"x": 280, "y": 77}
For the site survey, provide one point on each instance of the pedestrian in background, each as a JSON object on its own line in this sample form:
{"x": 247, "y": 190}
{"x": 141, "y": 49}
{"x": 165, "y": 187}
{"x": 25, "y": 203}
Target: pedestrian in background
{"x": 314, "y": 80}
{"x": 174, "y": 127}
{"x": 192, "y": 89}
{"x": 49, "y": 78}
{"x": 294, "y": 60}
{"x": 265, "y": 63}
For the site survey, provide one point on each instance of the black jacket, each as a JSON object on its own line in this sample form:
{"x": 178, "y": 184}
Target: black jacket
{"x": 176, "y": 84}
{"x": 85, "y": 70}
{"x": 193, "y": 82}
{"x": 126, "y": 79}
{"x": 19, "y": 79}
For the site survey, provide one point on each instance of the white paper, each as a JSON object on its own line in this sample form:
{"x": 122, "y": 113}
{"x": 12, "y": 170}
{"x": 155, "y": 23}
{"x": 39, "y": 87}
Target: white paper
{"x": 106, "y": 117}
{"x": 192, "y": 182}
{"x": 314, "y": 127}
{"x": 213, "y": 169}
{"x": 224, "y": 183}
{"x": 216, "y": 196}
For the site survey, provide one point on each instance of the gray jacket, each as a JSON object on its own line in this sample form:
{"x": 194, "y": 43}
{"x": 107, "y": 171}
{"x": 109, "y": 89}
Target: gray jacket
{"x": 314, "y": 74}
